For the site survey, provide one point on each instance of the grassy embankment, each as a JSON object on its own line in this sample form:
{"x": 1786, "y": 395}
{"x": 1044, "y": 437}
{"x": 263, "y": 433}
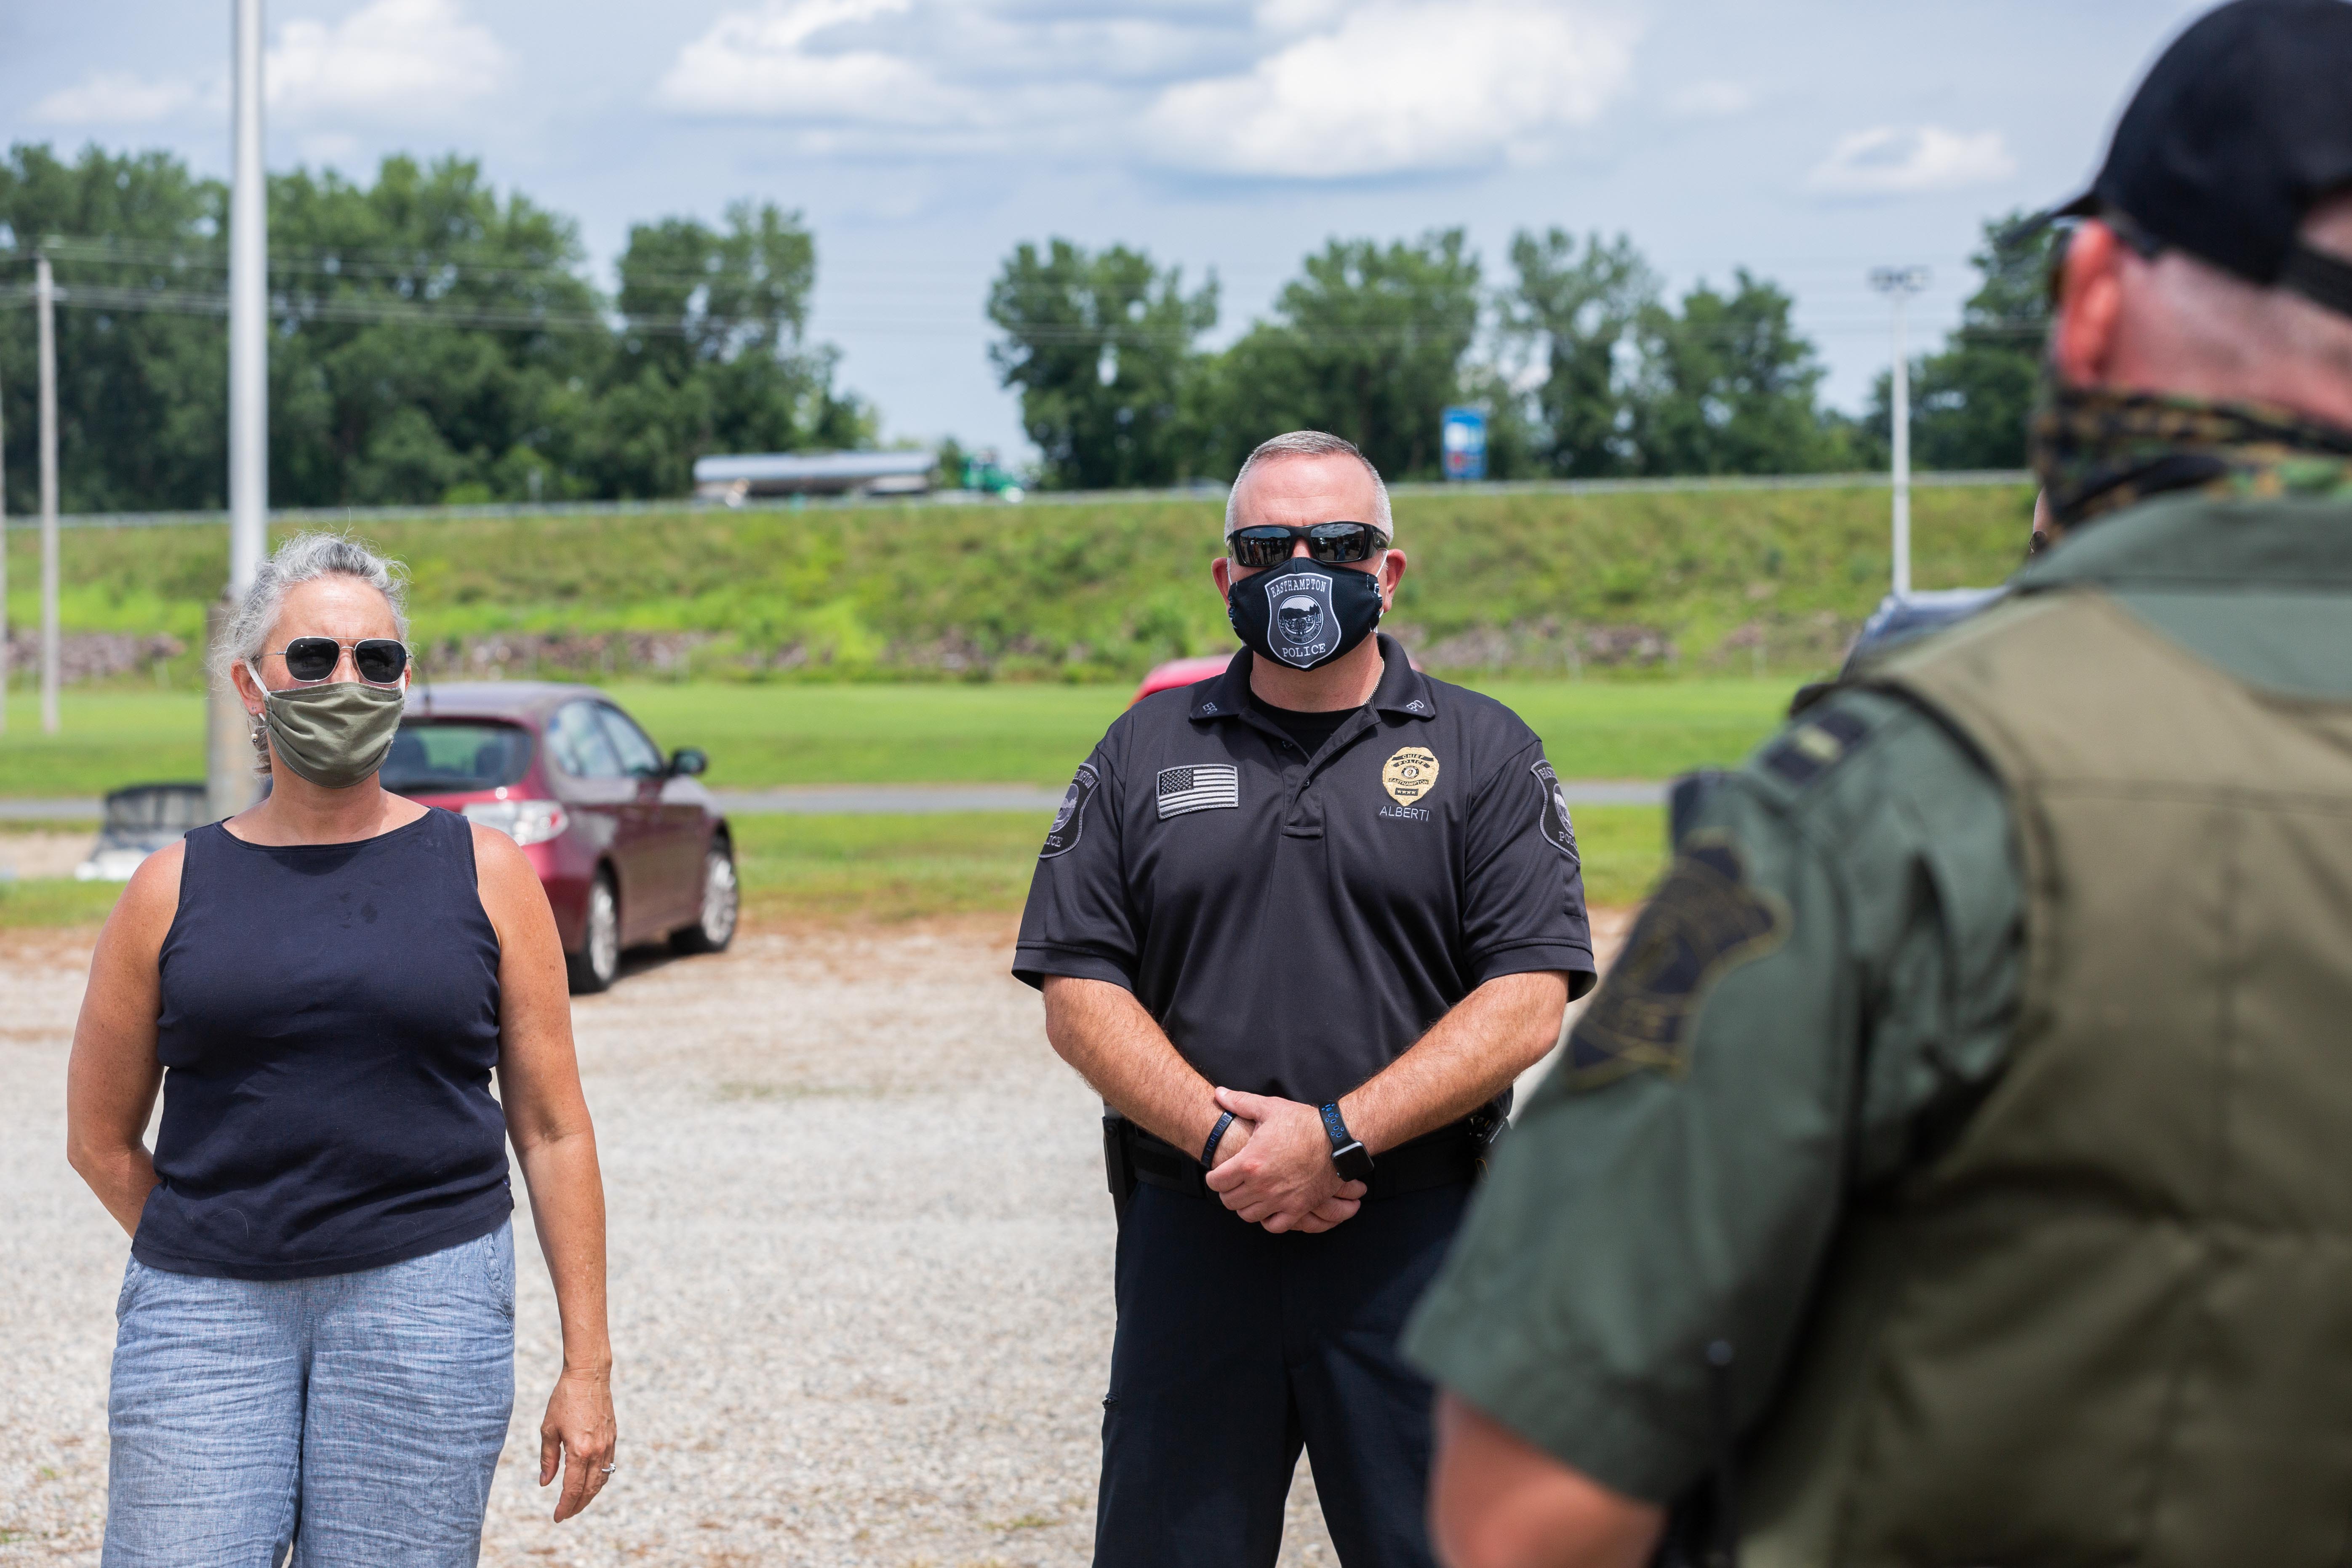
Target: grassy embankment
{"x": 1523, "y": 583}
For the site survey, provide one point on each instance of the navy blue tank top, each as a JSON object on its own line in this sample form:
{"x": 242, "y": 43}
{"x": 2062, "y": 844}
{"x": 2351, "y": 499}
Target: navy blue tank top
{"x": 330, "y": 1021}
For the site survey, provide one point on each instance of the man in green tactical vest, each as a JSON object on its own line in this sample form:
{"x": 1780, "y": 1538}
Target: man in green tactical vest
{"x": 1957, "y": 1169}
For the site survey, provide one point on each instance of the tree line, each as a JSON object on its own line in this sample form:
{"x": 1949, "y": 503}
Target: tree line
{"x": 1585, "y": 368}
{"x": 430, "y": 342}
{"x": 434, "y": 341}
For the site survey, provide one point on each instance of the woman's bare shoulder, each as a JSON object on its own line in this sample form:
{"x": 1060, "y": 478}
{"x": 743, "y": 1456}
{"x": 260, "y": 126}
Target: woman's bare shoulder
{"x": 149, "y": 902}
{"x": 501, "y": 870}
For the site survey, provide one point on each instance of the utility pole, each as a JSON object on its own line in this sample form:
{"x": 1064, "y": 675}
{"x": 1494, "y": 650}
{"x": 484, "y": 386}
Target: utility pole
{"x": 229, "y": 760}
{"x": 3, "y": 563}
{"x": 1898, "y": 284}
{"x": 45, "y": 298}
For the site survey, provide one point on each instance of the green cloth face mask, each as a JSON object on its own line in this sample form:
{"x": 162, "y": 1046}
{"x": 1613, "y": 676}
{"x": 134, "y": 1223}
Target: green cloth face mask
{"x": 335, "y": 735}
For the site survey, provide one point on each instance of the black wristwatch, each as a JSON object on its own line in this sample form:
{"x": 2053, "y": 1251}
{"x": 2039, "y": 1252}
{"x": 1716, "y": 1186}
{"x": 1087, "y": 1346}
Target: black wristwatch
{"x": 1353, "y": 1161}
{"x": 1216, "y": 1136}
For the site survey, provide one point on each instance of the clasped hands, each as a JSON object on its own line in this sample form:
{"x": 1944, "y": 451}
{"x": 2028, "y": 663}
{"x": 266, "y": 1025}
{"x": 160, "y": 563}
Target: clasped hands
{"x": 1274, "y": 1166}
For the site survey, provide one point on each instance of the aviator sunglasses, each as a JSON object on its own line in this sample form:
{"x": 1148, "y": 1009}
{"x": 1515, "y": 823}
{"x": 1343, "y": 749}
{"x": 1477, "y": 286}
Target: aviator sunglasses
{"x": 1270, "y": 544}
{"x": 379, "y": 660}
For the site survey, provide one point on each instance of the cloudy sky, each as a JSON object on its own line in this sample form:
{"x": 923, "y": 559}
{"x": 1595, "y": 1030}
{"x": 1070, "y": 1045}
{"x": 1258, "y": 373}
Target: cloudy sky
{"x": 1809, "y": 140}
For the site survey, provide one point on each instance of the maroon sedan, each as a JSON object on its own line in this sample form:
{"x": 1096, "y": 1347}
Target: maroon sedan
{"x": 629, "y": 844}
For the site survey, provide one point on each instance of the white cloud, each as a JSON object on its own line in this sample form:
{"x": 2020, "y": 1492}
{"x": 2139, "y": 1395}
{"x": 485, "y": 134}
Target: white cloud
{"x": 1710, "y": 100}
{"x": 1281, "y": 17}
{"x": 404, "y": 60}
{"x": 115, "y": 98}
{"x": 1289, "y": 88}
{"x": 1898, "y": 161}
{"x": 775, "y": 63}
{"x": 1399, "y": 86}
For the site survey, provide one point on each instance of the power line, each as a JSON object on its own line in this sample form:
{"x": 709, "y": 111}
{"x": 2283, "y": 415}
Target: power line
{"x": 455, "y": 268}
{"x": 351, "y": 311}
{"x": 336, "y": 263}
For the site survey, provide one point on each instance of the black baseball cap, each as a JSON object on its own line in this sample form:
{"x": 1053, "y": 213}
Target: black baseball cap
{"x": 2243, "y": 124}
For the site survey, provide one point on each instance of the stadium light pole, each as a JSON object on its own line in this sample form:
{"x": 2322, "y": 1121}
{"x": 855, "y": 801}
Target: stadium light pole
{"x": 45, "y": 296}
{"x": 228, "y": 756}
{"x": 1898, "y": 284}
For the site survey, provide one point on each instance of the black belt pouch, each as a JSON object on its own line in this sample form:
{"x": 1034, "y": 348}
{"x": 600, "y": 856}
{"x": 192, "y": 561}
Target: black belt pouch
{"x": 1118, "y": 1164}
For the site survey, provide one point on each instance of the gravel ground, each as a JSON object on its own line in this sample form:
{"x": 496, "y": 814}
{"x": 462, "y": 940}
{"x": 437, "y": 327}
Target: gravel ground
{"x": 854, "y": 1322}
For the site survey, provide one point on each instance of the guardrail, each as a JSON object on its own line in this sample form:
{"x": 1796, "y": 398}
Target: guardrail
{"x": 294, "y": 516}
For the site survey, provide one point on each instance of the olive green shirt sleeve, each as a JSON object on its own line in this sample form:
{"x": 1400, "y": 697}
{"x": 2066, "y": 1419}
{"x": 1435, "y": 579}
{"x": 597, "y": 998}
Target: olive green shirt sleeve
{"x": 1823, "y": 984}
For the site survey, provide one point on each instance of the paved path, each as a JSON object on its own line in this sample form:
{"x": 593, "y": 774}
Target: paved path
{"x": 888, "y": 800}
{"x": 49, "y": 810}
{"x": 894, "y": 800}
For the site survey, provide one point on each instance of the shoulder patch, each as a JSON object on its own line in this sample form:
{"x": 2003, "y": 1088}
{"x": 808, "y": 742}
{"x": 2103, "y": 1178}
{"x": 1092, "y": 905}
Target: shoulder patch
{"x": 1813, "y": 747}
{"x": 1551, "y": 811}
{"x": 1705, "y": 920}
{"x": 1070, "y": 818}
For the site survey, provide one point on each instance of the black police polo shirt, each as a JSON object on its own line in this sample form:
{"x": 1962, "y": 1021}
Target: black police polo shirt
{"x": 1295, "y": 924}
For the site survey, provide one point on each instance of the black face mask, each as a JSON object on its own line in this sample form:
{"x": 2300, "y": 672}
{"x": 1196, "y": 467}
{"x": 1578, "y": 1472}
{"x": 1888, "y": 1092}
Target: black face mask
{"x": 1302, "y": 614}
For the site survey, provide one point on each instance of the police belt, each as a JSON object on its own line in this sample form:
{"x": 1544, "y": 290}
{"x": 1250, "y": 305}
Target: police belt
{"x": 1454, "y": 1153}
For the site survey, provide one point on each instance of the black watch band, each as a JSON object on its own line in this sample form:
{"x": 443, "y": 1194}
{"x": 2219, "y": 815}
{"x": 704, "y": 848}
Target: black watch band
{"x": 1353, "y": 1161}
{"x": 1216, "y": 1136}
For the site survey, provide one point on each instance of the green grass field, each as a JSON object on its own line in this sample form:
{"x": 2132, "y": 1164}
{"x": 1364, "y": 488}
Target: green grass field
{"x": 759, "y": 736}
{"x": 900, "y": 867}
{"x": 887, "y": 867}
{"x": 106, "y": 739}
{"x": 840, "y": 869}
{"x": 55, "y": 901}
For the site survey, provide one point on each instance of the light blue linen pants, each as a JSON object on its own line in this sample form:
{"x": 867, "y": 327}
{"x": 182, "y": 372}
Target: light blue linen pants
{"x": 355, "y": 1418}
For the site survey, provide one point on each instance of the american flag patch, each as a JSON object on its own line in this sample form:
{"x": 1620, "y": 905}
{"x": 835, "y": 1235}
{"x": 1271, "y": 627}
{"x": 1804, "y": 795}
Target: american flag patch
{"x": 1203, "y": 787}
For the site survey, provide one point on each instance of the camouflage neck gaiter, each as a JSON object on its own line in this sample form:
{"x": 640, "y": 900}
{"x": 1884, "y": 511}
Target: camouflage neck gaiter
{"x": 2099, "y": 451}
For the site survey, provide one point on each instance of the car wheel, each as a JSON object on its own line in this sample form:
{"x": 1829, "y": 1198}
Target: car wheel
{"x": 599, "y": 958}
{"x": 722, "y": 900}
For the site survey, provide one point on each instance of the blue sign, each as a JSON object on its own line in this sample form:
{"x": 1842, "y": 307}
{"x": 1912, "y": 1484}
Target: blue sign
{"x": 1463, "y": 436}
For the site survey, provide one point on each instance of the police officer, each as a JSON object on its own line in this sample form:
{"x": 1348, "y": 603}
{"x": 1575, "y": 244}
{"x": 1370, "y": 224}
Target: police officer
{"x": 1300, "y": 926}
{"x": 1953, "y": 1171}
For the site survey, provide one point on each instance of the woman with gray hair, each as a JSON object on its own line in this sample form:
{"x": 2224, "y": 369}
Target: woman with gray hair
{"x": 315, "y": 1342}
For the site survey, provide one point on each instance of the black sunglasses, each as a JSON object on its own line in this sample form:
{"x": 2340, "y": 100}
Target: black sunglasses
{"x": 379, "y": 660}
{"x": 2142, "y": 244}
{"x": 1270, "y": 544}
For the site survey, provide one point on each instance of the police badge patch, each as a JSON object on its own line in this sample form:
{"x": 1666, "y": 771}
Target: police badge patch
{"x": 1299, "y": 613}
{"x": 1409, "y": 774}
{"x": 1070, "y": 818}
{"x": 1552, "y": 819}
{"x": 1705, "y": 920}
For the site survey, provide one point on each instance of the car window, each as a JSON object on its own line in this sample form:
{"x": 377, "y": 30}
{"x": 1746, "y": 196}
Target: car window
{"x": 438, "y": 756}
{"x": 579, "y": 745}
{"x": 639, "y": 755}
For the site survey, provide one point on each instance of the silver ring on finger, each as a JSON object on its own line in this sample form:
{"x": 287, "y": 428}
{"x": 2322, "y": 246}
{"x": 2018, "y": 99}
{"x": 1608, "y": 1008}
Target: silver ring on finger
{"x": 607, "y": 1471}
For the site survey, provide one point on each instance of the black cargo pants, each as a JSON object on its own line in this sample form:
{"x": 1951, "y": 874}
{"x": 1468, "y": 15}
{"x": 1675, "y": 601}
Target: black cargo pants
{"x": 1235, "y": 1349}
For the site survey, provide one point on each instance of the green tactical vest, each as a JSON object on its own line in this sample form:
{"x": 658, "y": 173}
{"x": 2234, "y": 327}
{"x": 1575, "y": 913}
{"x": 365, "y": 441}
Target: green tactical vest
{"x": 2111, "y": 1324}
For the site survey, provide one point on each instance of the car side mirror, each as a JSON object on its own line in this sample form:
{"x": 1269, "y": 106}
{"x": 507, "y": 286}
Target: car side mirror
{"x": 686, "y": 762}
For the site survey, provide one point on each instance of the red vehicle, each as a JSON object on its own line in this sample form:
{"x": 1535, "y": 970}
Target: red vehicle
{"x": 1180, "y": 672}
{"x": 628, "y": 844}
